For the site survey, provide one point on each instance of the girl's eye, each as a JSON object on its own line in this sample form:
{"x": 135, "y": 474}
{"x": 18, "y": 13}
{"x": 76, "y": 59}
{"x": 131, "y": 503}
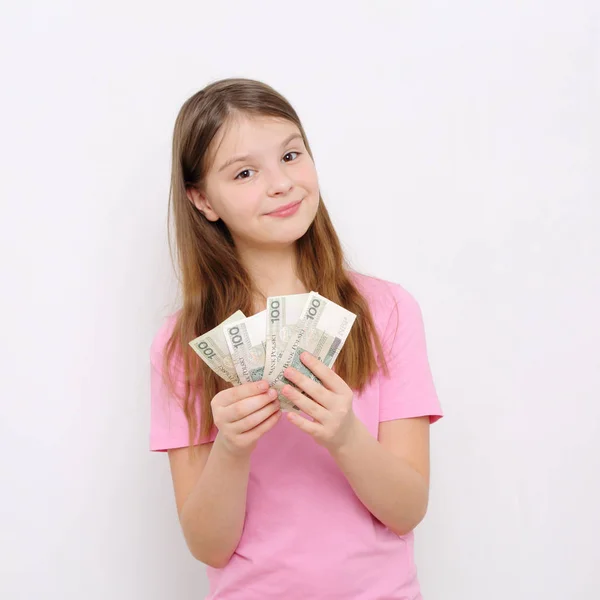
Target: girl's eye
{"x": 293, "y": 152}
{"x": 242, "y": 173}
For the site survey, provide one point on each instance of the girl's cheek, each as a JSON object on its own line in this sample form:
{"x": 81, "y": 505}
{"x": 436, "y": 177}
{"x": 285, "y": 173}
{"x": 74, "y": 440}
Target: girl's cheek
{"x": 311, "y": 181}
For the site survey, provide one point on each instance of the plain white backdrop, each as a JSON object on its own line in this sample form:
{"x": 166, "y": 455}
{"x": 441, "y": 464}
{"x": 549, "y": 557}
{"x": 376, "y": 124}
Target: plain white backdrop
{"x": 457, "y": 146}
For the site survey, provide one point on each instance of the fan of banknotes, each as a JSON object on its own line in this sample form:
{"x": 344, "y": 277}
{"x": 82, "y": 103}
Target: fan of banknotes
{"x": 243, "y": 349}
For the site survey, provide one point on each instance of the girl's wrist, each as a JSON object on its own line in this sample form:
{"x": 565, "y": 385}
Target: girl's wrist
{"x": 234, "y": 455}
{"x": 344, "y": 445}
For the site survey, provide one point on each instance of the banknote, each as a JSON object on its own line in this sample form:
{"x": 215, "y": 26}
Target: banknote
{"x": 246, "y": 342}
{"x": 212, "y": 348}
{"x": 322, "y": 330}
{"x": 283, "y": 314}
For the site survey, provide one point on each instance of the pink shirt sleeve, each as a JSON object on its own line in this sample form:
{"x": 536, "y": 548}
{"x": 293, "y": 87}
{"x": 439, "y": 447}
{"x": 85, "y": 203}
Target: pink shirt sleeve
{"x": 168, "y": 423}
{"x": 409, "y": 391}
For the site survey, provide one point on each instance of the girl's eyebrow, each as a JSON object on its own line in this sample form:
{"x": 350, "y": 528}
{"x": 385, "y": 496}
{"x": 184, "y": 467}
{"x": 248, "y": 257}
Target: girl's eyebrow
{"x": 245, "y": 157}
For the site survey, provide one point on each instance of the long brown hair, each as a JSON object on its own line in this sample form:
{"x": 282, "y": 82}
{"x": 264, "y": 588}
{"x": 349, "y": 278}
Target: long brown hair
{"x": 213, "y": 280}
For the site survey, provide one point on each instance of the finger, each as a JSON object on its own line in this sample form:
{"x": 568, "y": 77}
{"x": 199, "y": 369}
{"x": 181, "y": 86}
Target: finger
{"x": 240, "y": 410}
{"x": 314, "y": 389}
{"x": 256, "y": 418}
{"x": 245, "y": 390}
{"x": 303, "y": 423}
{"x": 306, "y": 404}
{"x": 262, "y": 428}
{"x": 330, "y": 380}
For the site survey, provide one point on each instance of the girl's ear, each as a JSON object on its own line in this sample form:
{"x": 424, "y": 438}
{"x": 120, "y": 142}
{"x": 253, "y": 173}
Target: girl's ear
{"x": 200, "y": 201}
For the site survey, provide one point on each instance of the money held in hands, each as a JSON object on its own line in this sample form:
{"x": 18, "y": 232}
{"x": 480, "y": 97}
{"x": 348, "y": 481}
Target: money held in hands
{"x": 244, "y": 349}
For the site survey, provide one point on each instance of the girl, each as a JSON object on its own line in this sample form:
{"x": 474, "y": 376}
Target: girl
{"x": 317, "y": 505}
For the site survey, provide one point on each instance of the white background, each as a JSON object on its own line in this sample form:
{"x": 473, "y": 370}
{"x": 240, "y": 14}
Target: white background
{"x": 457, "y": 145}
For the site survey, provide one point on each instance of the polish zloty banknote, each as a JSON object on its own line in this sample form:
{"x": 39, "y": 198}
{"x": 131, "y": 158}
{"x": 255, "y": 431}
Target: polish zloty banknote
{"x": 246, "y": 342}
{"x": 212, "y": 348}
{"x": 283, "y": 314}
{"x": 322, "y": 330}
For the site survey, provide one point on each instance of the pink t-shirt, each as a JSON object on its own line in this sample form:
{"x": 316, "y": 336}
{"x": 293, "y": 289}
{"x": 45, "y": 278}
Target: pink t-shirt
{"x": 306, "y": 534}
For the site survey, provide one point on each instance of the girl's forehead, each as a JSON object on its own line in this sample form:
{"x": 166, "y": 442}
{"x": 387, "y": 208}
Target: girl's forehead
{"x": 245, "y": 128}
{"x": 240, "y": 135}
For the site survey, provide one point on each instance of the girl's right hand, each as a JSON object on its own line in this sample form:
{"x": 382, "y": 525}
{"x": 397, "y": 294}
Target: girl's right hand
{"x": 243, "y": 414}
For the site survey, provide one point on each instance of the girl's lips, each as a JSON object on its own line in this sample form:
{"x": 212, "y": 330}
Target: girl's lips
{"x": 285, "y": 211}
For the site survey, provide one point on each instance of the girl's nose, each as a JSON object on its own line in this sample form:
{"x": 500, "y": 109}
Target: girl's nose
{"x": 279, "y": 182}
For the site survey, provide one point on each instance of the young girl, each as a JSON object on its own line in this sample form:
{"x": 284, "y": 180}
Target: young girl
{"x": 285, "y": 506}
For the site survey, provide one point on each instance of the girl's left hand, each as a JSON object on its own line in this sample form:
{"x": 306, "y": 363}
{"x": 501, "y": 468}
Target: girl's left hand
{"x": 329, "y": 404}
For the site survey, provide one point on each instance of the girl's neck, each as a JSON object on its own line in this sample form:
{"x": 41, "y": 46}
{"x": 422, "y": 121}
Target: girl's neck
{"x": 279, "y": 288}
{"x": 273, "y": 274}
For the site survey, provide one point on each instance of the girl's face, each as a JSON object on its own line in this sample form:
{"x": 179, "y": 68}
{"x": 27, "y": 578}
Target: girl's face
{"x": 260, "y": 165}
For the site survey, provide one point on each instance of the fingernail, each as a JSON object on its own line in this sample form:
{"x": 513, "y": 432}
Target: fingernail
{"x": 263, "y": 385}
{"x": 272, "y": 393}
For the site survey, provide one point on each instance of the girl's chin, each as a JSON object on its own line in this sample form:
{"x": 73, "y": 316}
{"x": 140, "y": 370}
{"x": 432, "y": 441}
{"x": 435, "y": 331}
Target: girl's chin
{"x": 289, "y": 231}
{"x": 280, "y": 232}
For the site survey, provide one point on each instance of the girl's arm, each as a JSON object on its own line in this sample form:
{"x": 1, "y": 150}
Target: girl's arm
{"x": 390, "y": 476}
{"x": 210, "y": 493}
{"x": 211, "y": 490}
